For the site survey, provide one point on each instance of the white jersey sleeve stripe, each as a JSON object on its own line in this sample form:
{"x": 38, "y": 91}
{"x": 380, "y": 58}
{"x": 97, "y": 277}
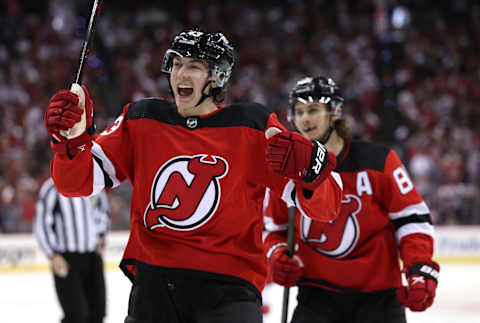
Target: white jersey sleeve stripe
{"x": 411, "y": 228}
{"x": 106, "y": 168}
{"x": 336, "y": 176}
{"x": 98, "y": 179}
{"x": 287, "y": 193}
{"x": 271, "y": 226}
{"x": 420, "y": 208}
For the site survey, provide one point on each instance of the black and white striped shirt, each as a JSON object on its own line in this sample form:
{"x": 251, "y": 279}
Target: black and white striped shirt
{"x": 65, "y": 224}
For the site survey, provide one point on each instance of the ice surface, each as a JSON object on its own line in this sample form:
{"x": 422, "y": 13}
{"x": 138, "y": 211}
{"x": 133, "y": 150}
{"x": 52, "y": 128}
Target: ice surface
{"x": 30, "y": 297}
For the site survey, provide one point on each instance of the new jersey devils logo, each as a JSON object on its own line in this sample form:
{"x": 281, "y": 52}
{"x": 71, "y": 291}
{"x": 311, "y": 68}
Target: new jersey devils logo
{"x": 185, "y": 192}
{"x": 336, "y": 238}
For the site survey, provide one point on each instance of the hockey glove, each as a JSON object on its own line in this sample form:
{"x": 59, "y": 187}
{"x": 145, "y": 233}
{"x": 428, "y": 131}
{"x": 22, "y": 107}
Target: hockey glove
{"x": 422, "y": 284}
{"x": 69, "y": 121}
{"x": 294, "y": 156}
{"x": 285, "y": 271}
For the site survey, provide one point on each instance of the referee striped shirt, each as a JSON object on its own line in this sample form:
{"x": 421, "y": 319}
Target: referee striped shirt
{"x": 64, "y": 224}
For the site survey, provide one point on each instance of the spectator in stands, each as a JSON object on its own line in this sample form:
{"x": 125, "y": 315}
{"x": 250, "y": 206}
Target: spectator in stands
{"x": 436, "y": 69}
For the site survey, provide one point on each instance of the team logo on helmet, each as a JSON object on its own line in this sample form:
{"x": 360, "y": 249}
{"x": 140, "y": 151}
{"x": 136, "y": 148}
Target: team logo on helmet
{"x": 185, "y": 192}
{"x": 336, "y": 238}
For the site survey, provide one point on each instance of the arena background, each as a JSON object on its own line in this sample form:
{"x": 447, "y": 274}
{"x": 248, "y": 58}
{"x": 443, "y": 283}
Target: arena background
{"x": 409, "y": 70}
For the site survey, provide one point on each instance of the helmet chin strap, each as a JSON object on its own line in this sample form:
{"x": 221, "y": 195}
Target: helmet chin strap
{"x": 325, "y": 138}
{"x": 204, "y": 96}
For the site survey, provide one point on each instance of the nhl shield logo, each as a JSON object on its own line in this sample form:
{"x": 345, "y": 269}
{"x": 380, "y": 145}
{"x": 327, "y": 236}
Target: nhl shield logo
{"x": 185, "y": 192}
{"x": 192, "y": 123}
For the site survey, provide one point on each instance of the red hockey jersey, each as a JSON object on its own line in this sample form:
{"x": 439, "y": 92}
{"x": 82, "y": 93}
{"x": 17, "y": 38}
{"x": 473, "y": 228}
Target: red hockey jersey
{"x": 383, "y": 217}
{"x": 198, "y": 183}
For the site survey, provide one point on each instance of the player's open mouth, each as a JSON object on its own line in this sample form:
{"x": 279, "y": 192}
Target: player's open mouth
{"x": 309, "y": 129}
{"x": 184, "y": 91}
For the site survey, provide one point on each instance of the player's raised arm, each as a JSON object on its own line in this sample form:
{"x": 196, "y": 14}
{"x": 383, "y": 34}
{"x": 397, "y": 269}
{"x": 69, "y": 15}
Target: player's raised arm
{"x": 64, "y": 112}
{"x": 81, "y": 166}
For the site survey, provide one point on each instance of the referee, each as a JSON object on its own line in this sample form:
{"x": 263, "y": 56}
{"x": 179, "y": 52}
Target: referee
{"x": 71, "y": 233}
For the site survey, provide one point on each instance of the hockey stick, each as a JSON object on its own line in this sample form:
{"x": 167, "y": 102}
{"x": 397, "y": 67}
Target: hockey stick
{"x": 290, "y": 237}
{"x": 79, "y": 127}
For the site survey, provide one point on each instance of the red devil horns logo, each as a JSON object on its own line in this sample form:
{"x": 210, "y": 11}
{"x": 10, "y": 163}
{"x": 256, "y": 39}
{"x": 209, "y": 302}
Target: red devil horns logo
{"x": 185, "y": 192}
{"x": 336, "y": 238}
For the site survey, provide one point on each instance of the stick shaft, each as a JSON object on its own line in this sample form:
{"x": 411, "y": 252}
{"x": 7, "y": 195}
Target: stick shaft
{"x": 286, "y": 294}
{"x": 78, "y": 128}
{"x": 290, "y": 245}
{"x": 86, "y": 42}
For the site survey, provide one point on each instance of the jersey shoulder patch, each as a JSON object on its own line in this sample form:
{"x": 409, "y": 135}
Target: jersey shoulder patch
{"x": 364, "y": 155}
{"x": 247, "y": 114}
{"x": 153, "y": 108}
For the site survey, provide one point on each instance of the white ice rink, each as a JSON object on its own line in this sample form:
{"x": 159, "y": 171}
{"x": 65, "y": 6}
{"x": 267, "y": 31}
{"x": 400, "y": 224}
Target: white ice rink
{"x": 29, "y": 297}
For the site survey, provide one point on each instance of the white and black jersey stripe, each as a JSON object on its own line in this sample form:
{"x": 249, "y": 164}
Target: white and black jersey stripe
{"x": 412, "y": 219}
{"x": 104, "y": 175}
{"x": 69, "y": 224}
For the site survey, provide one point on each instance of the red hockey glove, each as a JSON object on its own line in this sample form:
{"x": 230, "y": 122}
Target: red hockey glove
{"x": 285, "y": 271}
{"x": 422, "y": 283}
{"x": 69, "y": 121}
{"x": 292, "y": 155}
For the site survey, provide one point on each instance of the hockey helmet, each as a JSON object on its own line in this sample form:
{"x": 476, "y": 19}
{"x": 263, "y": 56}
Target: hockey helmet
{"x": 212, "y": 47}
{"x": 321, "y": 89}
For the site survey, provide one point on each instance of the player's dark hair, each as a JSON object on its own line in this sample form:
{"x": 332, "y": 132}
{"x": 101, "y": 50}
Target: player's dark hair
{"x": 342, "y": 128}
{"x": 218, "y": 94}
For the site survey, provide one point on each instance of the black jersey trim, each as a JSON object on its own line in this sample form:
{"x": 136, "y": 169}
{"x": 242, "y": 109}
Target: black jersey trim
{"x": 414, "y": 218}
{"x": 364, "y": 155}
{"x": 251, "y": 115}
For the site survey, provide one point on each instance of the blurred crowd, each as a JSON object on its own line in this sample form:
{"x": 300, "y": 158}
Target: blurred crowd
{"x": 429, "y": 74}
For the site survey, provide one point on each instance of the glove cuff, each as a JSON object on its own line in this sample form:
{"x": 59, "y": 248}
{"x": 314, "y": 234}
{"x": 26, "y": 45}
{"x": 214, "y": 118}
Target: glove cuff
{"x": 431, "y": 271}
{"x": 73, "y": 146}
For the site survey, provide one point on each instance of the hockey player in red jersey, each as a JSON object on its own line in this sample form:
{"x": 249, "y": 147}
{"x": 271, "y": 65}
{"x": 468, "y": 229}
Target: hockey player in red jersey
{"x": 198, "y": 171}
{"x": 348, "y": 269}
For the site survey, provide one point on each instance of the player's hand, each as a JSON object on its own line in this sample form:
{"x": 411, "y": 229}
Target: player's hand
{"x": 67, "y": 110}
{"x": 59, "y": 266}
{"x": 285, "y": 271}
{"x": 292, "y": 155}
{"x": 100, "y": 246}
{"x": 62, "y": 113}
{"x": 422, "y": 284}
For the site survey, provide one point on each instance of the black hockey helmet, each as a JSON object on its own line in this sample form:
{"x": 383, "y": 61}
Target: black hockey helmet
{"x": 210, "y": 46}
{"x": 321, "y": 89}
